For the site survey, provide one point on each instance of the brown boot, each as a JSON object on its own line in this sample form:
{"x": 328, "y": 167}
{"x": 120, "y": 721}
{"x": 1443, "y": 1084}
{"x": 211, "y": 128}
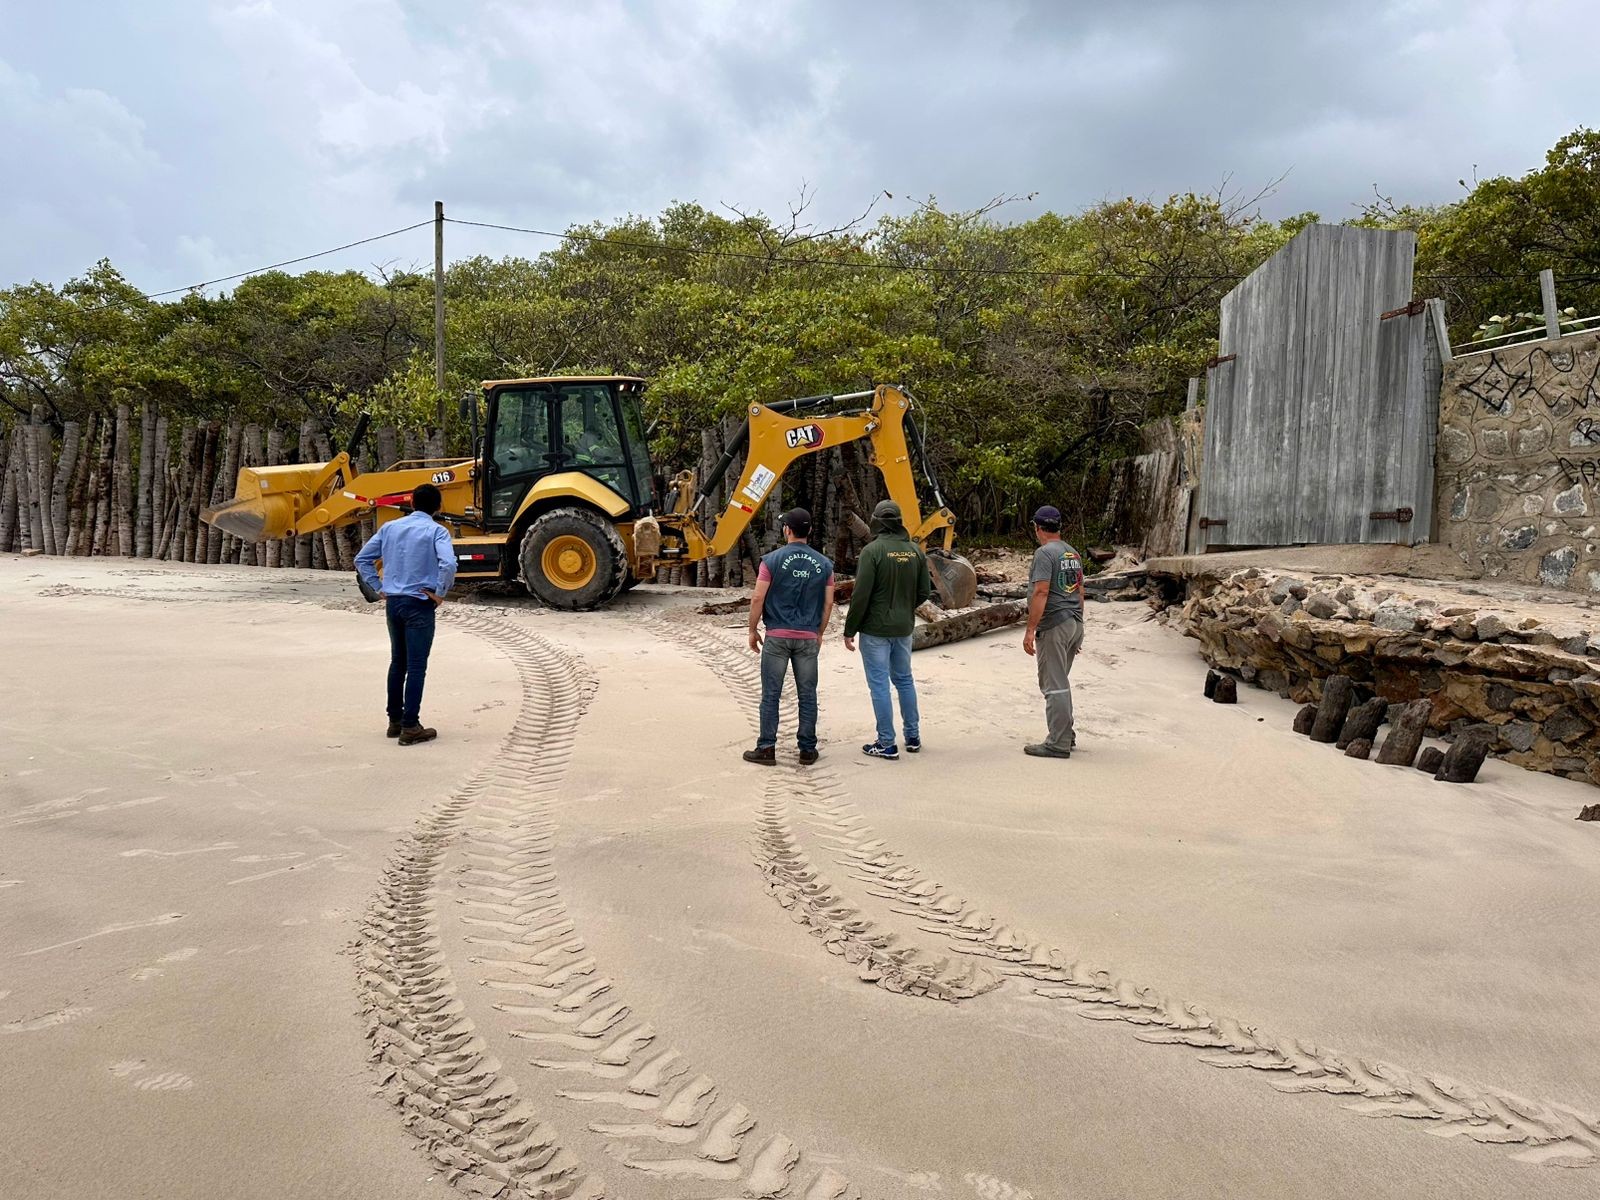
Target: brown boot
{"x": 394, "y": 729}
{"x": 765, "y": 755}
{"x": 807, "y": 757}
{"x": 412, "y": 734}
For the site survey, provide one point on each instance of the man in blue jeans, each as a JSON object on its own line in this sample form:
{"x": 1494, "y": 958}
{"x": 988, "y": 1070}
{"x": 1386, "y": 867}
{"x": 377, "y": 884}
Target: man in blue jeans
{"x": 419, "y": 565}
{"x": 794, "y": 597}
{"x": 892, "y": 579}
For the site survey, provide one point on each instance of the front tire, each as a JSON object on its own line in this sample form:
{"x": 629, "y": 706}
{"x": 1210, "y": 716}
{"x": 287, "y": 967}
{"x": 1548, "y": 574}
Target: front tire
{"x": 573, "y": 559}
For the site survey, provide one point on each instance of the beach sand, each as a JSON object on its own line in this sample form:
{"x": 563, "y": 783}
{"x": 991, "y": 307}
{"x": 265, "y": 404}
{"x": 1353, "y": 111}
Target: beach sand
{"x": 249, "y": 947}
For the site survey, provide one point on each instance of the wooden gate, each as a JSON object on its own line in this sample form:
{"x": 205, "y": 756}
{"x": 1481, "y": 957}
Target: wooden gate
{"x": 1322, "y": 405}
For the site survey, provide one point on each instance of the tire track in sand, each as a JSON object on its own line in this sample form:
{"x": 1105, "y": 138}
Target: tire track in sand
{"x": 657, "y": 1116}
{"x": 793, "y": 878}
{"x": 1547, "y": 1133}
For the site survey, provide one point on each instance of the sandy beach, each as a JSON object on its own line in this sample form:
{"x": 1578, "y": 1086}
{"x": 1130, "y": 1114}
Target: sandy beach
{"x": 576, "y": 947}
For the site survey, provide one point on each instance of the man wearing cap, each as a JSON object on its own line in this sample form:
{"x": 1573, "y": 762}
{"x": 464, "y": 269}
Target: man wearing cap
{"x": 891, "y": 581}
{"x": 794, "y": 598}
{"x": 1055, "y": 629}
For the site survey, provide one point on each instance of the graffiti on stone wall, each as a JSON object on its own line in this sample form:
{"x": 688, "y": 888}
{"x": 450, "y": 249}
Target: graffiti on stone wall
{"x": 1519, "y": 462}
{"x": 1561, "y": 379}
{"x": 1585, "y": 471}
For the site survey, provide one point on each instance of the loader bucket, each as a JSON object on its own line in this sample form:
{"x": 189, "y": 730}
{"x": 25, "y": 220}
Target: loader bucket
{"x": 954, "y": 580}
{"x": 253, "y": 518}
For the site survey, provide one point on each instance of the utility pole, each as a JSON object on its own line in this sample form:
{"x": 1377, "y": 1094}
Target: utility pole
{"x": 438, "y": 310}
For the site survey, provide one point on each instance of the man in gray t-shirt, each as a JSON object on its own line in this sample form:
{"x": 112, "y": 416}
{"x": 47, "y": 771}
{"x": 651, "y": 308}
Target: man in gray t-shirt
{"x": 1055, "y": 629}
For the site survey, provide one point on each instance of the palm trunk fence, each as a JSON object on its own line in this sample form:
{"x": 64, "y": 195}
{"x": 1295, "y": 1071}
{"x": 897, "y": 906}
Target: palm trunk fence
{"x": 133, "y": 485}
{"x": 120, "y": 485}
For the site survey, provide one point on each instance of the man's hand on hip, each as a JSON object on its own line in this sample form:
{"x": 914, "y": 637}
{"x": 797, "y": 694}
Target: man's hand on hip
{"x": 434, "y": 596}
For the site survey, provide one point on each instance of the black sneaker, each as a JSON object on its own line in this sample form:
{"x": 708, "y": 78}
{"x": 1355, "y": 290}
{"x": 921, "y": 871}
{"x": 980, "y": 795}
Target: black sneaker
{"x": 873, "y": 750}
{"x": 765, "y": 755}
{"x": 913, "y": 745}
{"x": 807, "y": 757}
{"x": 1040, "y": 750}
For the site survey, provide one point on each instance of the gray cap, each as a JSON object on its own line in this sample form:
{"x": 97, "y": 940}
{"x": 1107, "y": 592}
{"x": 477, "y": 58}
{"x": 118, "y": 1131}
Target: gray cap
{"x": 888, "y": 510}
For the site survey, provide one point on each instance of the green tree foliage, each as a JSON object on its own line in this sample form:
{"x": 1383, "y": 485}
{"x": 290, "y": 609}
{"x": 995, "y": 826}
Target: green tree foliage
{"x": 1483, "y": 254}
{"x": 1036, "y": 347}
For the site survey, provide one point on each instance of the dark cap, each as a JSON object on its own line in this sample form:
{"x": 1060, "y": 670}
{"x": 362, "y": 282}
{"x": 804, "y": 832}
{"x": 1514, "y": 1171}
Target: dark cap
{"x": 887, "y": 510}
{"x": 797, "y": 519}
{"x": 1047, "y": 515}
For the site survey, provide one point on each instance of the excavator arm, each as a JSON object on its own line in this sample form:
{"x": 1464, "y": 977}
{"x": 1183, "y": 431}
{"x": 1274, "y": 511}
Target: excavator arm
{"x": 780, "y": 434}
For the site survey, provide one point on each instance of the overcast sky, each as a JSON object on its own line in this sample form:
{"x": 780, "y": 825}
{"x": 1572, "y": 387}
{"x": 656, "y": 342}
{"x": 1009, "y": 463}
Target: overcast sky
{"x": 187, "y": 139}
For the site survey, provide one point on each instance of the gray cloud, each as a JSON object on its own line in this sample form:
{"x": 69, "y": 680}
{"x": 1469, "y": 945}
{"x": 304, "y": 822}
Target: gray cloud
{"x": 194, "y": 139}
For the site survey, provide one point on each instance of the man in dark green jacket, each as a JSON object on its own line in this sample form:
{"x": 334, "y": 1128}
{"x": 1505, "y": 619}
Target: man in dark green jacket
{"x": 891, "y": 581}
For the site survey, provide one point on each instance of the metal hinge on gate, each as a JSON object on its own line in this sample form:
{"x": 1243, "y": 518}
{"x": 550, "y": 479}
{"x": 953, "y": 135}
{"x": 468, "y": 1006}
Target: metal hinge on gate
{"x": 1218, "y": 361}
{"x": 1402, "y": 515}
{"x": 1211, "y": 523}
{"x": 1410, "y": 310}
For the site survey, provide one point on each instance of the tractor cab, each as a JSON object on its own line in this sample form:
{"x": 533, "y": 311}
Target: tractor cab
{"x": 541, "y": 427}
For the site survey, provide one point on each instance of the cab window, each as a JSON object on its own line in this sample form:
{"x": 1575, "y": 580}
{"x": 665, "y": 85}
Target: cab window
{"x": 589, "y": 428}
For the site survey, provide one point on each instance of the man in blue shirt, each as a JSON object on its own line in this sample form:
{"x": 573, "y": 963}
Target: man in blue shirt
{"x": 794, "y": 596}
{"x": 419, "y": 565}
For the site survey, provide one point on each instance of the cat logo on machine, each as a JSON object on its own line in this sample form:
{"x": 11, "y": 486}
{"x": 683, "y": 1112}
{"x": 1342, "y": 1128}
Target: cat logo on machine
{"x": 805, "y": 437}
{"x": 444, "y": 476}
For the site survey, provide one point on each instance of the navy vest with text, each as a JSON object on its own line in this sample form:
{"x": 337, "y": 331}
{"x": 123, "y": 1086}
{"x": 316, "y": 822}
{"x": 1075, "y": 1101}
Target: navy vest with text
{"x": 798, "y": 589}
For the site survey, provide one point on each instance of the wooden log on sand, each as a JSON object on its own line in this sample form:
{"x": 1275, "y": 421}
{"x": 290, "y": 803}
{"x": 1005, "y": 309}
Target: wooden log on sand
{"x": 961, "y": 626}
{"x": 1336, "y": 695}
{"x": 1227, "y": 690}
{"x": 1430, "y": 759}
{"x": 1400, "y": 747}
{"x": 1305, "y": 719}
{"x": 1213, "y": 677}
{"x": 1466, "y": 754}
{"x": 1359, "y": 748}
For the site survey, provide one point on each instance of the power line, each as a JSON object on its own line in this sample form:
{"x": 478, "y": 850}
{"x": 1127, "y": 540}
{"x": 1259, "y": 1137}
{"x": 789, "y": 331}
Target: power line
{"x": 288, "y": 262}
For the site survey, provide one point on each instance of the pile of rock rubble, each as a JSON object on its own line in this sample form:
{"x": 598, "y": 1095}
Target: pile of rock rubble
{"x": 1533, "y": 680}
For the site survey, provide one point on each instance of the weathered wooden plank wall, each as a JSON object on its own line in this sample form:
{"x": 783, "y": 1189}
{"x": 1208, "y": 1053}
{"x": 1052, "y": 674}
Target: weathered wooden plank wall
{"x": 1323, "y": 414}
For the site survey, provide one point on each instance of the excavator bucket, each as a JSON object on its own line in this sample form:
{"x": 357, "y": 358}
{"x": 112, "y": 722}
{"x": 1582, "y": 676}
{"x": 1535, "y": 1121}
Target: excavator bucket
{"x": 253, "y": 518}
{"x": 954, "y": 580}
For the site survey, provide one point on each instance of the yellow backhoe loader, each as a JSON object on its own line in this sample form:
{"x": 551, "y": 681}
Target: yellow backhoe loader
{"x": 562, "y": 494}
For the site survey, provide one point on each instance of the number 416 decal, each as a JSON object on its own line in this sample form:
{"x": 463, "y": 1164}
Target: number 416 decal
{"x": 444, "y": 476}
{"x": 803, "y": 436}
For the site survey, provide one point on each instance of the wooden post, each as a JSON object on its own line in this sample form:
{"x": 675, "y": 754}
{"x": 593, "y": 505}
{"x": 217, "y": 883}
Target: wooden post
{"x": 1337, "y": 692}
{"x": 1461, "y": 762}
{"x": 144, "y": 520}
{"x": 275, "y": 458}
{"x": 1362, "y": 723}
{"x": 8, "y": 491}
{"x": 438, "y": 309}
{"x": 1547, "y": 293}
{"x": 60, "y": 492}
{"x": 42, "y": 447}
{"x": 1441, "y": 332}
{"x": 1193, "y": 402}
{"x": 1399, "y": 749}
{"x": 124, "y": 478}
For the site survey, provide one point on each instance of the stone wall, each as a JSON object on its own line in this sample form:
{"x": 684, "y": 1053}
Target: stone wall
{"x": 1518, "y": 472}
{"x": 1534, "y": 678}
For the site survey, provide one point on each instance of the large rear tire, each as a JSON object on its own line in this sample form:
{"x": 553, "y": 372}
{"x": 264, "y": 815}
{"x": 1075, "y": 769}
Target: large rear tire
{"x": 573, "y": 559}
